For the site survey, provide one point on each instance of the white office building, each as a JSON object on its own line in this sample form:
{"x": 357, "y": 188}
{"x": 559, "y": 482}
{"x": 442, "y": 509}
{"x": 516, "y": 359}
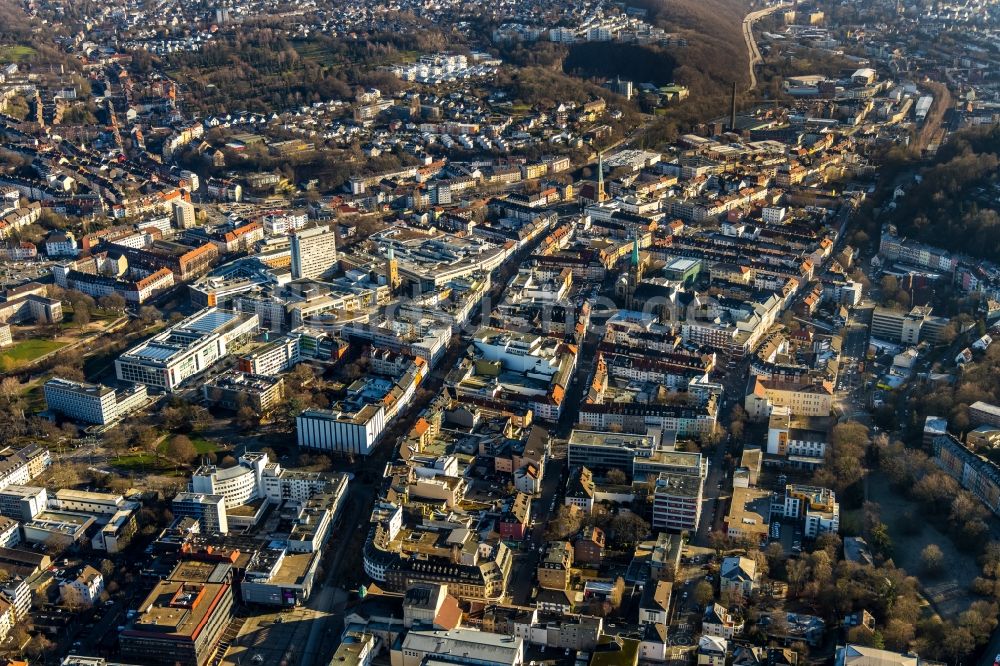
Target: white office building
{"x": 355, "y": 432}
{"x": 677, "y": 502}
{"x": 185, "y": 349}
{"x": 22, "y": 503}
{"x": 273, "y": 358}
{"x": 463, "y": 646}
{"x": 238, "y": 485}
{"x": 92, "y": 403}
{"x": 208, "y": 510}
{"x": 83, "y": 501}
{"x": 17, "y": 592}
{"x": 314, "y": 252}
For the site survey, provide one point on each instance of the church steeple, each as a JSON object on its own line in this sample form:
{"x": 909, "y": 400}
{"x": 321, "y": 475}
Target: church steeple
{"x": 636, "y": 267}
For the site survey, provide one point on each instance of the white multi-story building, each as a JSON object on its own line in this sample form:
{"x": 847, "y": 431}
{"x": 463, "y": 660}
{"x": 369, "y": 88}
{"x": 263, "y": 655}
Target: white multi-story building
{"x": 185, "y": 349}
{"x": 118, "y": 532}
{"x": 161, "y": 223}
{"x": 85, "y": 589}
{"x": 183, "y": 213}
{"x": 773, "y": 214}
{"x": 341, "y": 431}
{"x": 238, "y": 485}
{"x": 273, "y": 358}
{"x": 10, "y": 532}
{"x": 22, "y": 503}
{"x": 800, "y": 439}
{"x": 314, "y": 252}
{"x": 280, "y": 485}
{"x": 817, "y": 507}
{"x": 464, "y": 645}
{"x": 61, "y": 244}
{"x": 18, "y": 593}
{"x": 208, "y": 510}
{"x": 420, "y": 336}
{"x": 677, "y": 501}
{"x": 283, "y": 222}
{"x": 7, "y": 618}
{"x": 92, "y": 403}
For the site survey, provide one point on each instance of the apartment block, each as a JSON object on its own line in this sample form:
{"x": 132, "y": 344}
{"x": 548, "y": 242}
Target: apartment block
{"x": 20, "y": 466}
{"x": 556, "y": 566}
{"x": 801, "y": 398}
{"x": 677, "y": 501}
{"x": 977, "y": 474}
{"x": 816, "y": 507}
{"x": 314, "y": 252}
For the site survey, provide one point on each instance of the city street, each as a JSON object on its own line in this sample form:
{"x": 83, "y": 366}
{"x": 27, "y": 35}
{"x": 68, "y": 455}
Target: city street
{"x": 526, "y": 558}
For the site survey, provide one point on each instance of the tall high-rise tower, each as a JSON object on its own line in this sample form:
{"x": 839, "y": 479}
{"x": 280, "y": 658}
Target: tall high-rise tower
{"x": 392, "y": 270}
{"x": 314, "y": 252}
{"x": 601, "y": 194}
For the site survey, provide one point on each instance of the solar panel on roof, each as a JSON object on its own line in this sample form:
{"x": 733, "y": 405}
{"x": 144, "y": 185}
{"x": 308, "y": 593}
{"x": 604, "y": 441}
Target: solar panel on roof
{"x": 156, "y": 352}
{"x": 211, "y": 321}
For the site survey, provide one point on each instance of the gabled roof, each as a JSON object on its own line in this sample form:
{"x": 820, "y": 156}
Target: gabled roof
{"x": 859, "y": 655}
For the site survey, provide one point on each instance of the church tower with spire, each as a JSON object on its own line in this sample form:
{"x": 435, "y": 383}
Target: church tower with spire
{"x": 636, "y": 267}
{"x": 601, "y": 194}
{"x": 629, "y": 282}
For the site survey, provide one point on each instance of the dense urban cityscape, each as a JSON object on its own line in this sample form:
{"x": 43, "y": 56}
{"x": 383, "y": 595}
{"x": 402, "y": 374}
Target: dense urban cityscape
{"x": 579, "y": 333}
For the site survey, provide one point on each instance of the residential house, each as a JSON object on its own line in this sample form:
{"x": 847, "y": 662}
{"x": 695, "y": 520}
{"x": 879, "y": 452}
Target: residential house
{"x": 555, "y": 568}
{"x": 84, "y": 589}
{"x": 717, "y": 621}
{"x": 654, "y": 606}
{"x": 589, "y": 546}
{"x": 712, "y": 651}
{"x": 739, "y": 575}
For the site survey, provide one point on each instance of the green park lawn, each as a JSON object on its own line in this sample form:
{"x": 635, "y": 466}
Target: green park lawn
{"x": 141, "y": 462}
{"x": 14, "y": 53}
{"x": 201, "y": 445}
{"x": 28, "y": 350}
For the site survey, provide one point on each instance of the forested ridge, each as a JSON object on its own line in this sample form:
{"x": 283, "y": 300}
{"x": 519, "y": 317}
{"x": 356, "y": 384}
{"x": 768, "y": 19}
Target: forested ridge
{"x": 956, "y": 204}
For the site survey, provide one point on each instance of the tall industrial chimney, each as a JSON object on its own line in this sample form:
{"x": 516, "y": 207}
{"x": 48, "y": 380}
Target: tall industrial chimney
{"x": 732, "y": 110}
